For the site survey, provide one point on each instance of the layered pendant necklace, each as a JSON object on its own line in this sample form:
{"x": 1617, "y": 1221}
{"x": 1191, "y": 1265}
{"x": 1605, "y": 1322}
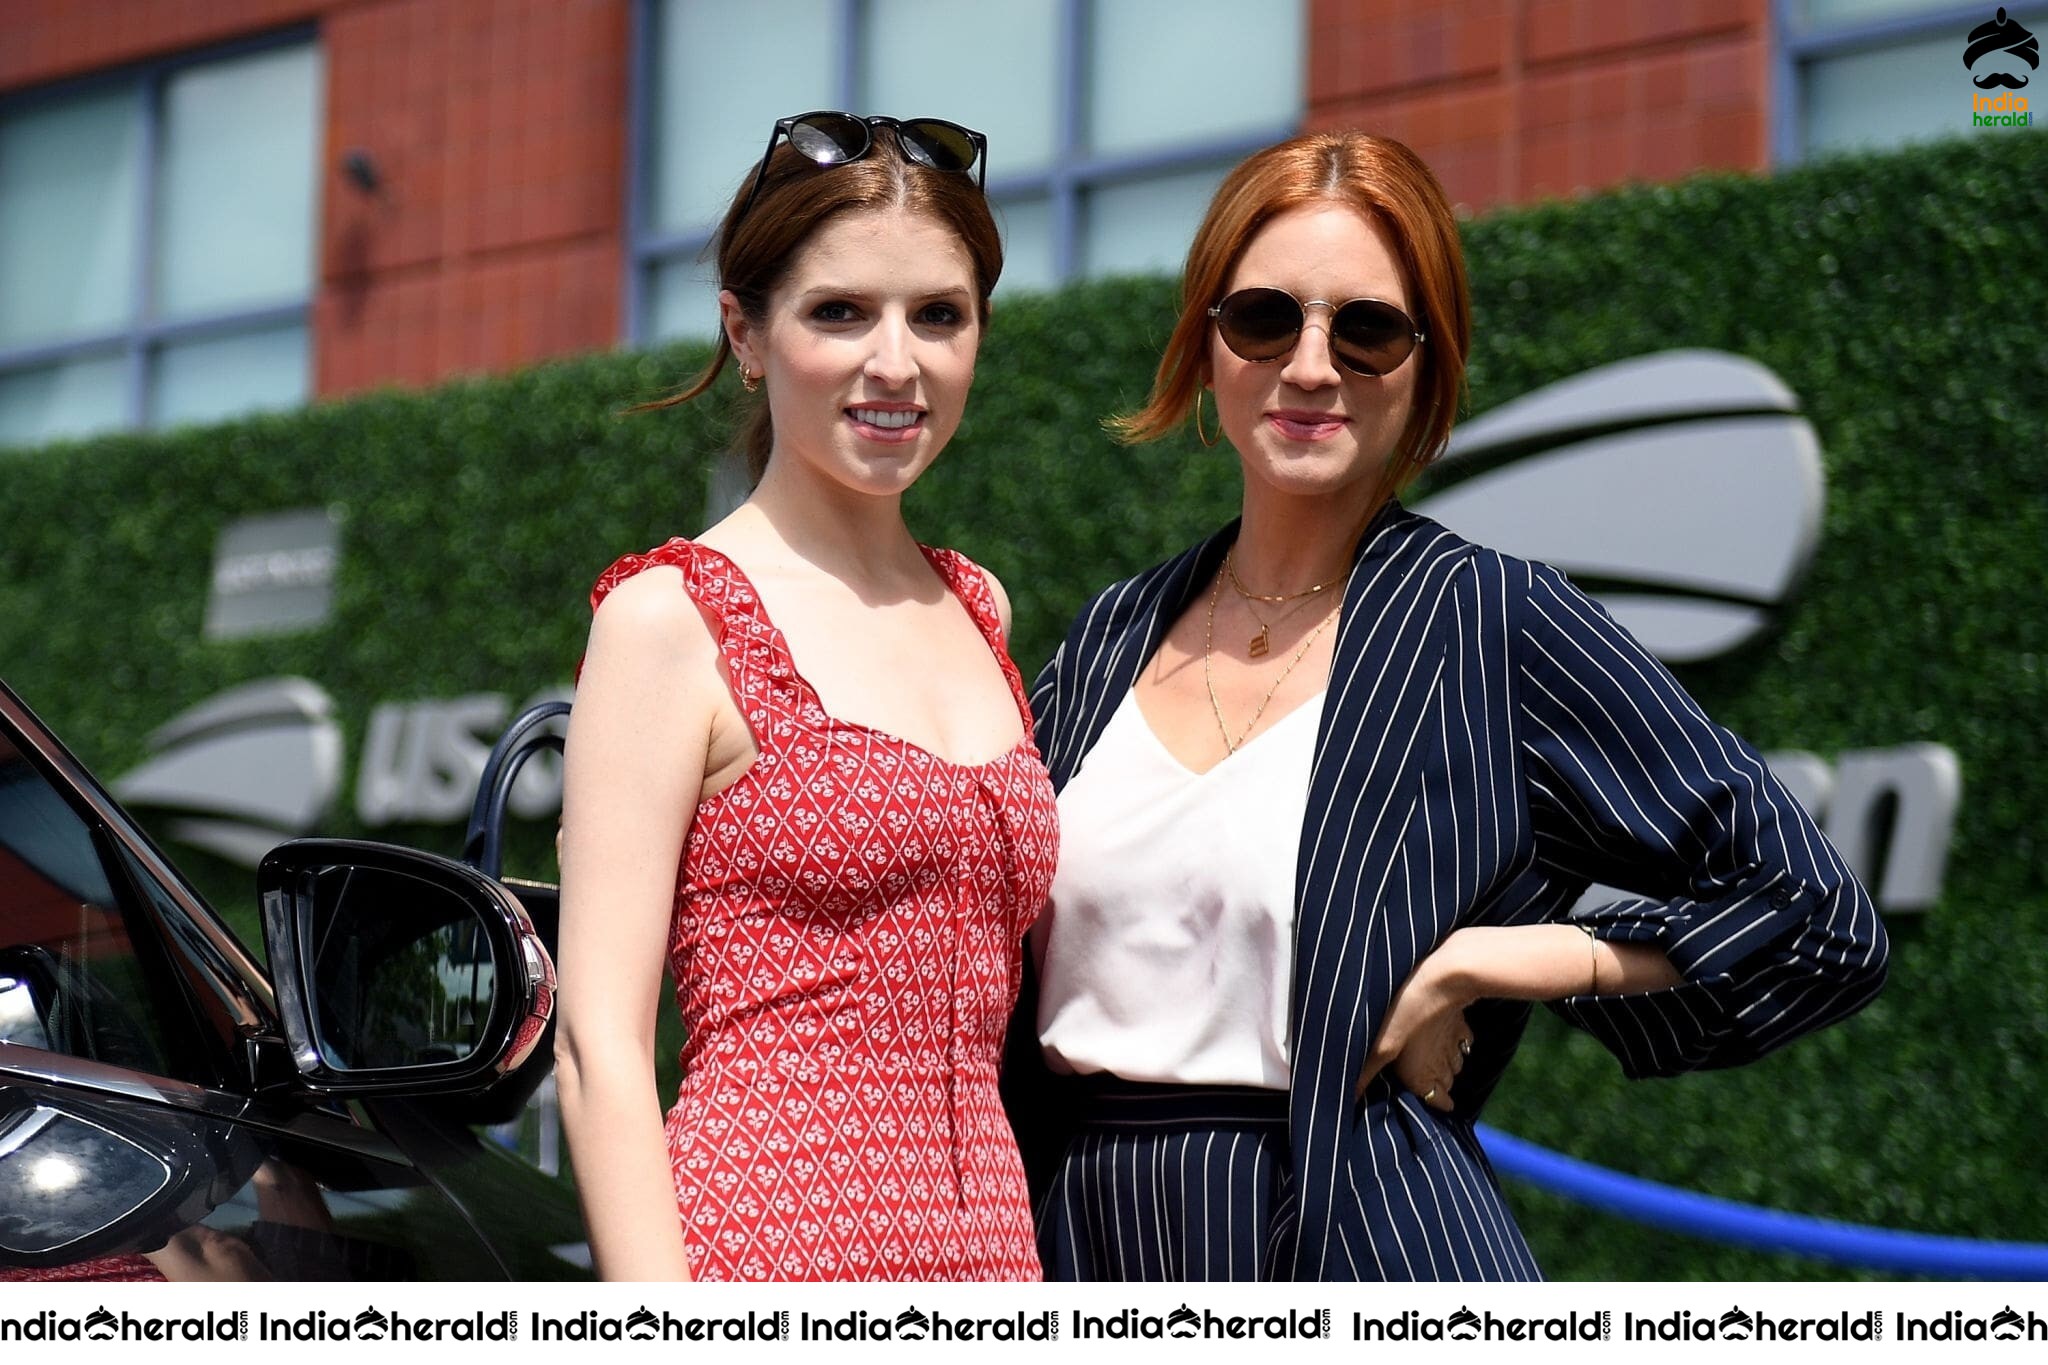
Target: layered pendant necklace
{"x": 1262, "y": 643}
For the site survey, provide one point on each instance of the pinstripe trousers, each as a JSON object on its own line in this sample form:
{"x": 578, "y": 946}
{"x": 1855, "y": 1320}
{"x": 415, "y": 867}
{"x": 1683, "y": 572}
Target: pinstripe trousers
{"x": 1490, "y": 745}
{"x": 1166, "y": 1182}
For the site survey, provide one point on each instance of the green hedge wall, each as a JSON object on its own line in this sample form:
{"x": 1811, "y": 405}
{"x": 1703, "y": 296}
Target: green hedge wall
{"x": 1900, "y": 296}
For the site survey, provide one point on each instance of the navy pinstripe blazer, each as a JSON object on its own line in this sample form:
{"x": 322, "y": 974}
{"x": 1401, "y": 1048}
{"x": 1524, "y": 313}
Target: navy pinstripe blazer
{"x": 1492, "y": 743}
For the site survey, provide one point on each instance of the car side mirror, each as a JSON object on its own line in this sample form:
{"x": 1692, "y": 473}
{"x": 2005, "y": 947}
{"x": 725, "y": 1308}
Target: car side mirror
{"x": 399, "y": 972}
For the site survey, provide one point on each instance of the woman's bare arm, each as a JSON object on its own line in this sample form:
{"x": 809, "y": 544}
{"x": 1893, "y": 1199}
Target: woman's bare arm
{"x": 634, "y": 766}
{"x": 1425, "y": 1025}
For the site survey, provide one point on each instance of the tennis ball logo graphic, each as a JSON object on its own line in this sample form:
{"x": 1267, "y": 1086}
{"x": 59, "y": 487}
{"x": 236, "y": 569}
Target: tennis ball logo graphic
{"x": 1683, "y": 490}
{"x": 244, "y": 770}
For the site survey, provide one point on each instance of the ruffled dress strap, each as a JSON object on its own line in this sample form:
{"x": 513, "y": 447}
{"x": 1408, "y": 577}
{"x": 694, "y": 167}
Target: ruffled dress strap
{"x": 764, "y": 678}
{"x": 969, "y": 583}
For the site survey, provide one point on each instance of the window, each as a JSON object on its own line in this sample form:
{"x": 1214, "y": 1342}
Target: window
{"x": 82, "y": 971}
{"x": 1865, "y": 74}
{"x": 1109, "y": 122}
{"x": 156, "y": 243}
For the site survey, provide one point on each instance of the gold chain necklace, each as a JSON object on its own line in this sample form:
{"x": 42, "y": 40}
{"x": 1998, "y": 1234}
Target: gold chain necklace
{"x": 1262, "y": 642}
{"x": 1208, "y": 677}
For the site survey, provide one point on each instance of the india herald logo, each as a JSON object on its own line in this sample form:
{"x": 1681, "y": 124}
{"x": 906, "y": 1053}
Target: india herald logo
{"x": 2002, "y": 45}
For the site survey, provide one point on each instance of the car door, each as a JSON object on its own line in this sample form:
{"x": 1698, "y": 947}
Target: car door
{"x": 149, "y": 1127}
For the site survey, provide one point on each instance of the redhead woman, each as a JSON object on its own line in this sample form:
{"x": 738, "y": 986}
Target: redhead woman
{"x": 1331, "y": 782}
{"x": 801, "y": 777}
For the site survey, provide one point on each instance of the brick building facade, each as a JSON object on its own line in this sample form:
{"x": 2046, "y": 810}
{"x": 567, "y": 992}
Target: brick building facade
{"x": 475, "y": 177}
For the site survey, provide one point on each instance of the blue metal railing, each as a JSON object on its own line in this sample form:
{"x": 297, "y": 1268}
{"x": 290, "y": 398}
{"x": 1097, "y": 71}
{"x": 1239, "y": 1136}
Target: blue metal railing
{"x": 1762, "y": 1229}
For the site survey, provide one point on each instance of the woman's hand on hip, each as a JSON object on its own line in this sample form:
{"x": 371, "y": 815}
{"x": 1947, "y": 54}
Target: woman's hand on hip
{"x": 1424, "y": 1036}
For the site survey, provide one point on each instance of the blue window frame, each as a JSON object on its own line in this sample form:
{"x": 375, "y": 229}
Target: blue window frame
{"x": 1874, "y": 73}
{"x": 1107, "y": 131}
{"x": 158, "y": 231}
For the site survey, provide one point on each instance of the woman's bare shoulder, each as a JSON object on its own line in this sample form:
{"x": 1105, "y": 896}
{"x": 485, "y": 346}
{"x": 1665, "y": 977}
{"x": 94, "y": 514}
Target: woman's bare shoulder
{"x": 651, "y": 617}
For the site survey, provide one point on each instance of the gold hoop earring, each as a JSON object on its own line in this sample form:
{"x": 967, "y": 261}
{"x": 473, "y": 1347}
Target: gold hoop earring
{"x": 1204, "y": 437}
{"x": 749, "y": 381}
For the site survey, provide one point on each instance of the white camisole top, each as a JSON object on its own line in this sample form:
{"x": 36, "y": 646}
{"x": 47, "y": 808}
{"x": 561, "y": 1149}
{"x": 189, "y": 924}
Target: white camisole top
{"x": 1166, "y": 951}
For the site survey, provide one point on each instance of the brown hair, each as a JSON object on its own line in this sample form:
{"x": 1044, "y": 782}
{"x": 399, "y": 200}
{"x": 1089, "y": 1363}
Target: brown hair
{"x": 797, "y": 198}
{"x": 1388, "y": 183}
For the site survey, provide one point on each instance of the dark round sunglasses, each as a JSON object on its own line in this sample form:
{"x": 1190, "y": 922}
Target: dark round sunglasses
{"x": 829, "y": 138}
{"x": 1367, "y": 336}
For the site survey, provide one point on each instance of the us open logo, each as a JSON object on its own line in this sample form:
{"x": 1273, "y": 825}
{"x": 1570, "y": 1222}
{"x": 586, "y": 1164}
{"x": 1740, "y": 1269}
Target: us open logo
{"x": 245, "y": 770}
{"x": 242, "y": 771}
{"x": 1684, "y": 491}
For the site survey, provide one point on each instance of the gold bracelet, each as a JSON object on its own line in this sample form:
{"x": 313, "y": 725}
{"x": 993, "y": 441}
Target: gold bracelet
{"x": 1592, "y": 956}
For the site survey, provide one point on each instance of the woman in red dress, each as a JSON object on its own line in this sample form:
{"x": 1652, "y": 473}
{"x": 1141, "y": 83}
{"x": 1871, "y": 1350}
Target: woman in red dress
{"x": 801, "y": 776}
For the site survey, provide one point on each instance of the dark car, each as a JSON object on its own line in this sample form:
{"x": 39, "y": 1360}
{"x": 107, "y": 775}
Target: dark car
{"x": 171, "y": 1109}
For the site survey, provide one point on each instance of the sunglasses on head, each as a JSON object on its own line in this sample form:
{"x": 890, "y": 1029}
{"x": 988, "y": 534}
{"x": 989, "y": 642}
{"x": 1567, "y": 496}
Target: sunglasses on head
{"x": 829, "y": 138}
{"x": 1367, "y": 336}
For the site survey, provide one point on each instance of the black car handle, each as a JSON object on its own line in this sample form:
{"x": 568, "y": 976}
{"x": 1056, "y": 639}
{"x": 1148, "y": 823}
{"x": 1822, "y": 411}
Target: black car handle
{"x": 483, "y": 846}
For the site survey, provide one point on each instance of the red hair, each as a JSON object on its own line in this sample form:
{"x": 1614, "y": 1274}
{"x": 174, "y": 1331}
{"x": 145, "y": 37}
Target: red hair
{"x": 1389, "y": 184}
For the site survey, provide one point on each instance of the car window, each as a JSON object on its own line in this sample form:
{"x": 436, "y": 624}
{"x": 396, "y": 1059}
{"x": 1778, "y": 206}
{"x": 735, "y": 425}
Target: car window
{"x": 82, "y": 970}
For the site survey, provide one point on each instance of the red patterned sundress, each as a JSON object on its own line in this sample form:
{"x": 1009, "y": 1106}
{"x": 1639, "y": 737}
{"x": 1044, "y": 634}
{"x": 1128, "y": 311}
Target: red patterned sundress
{"x": 846, "y": 952}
